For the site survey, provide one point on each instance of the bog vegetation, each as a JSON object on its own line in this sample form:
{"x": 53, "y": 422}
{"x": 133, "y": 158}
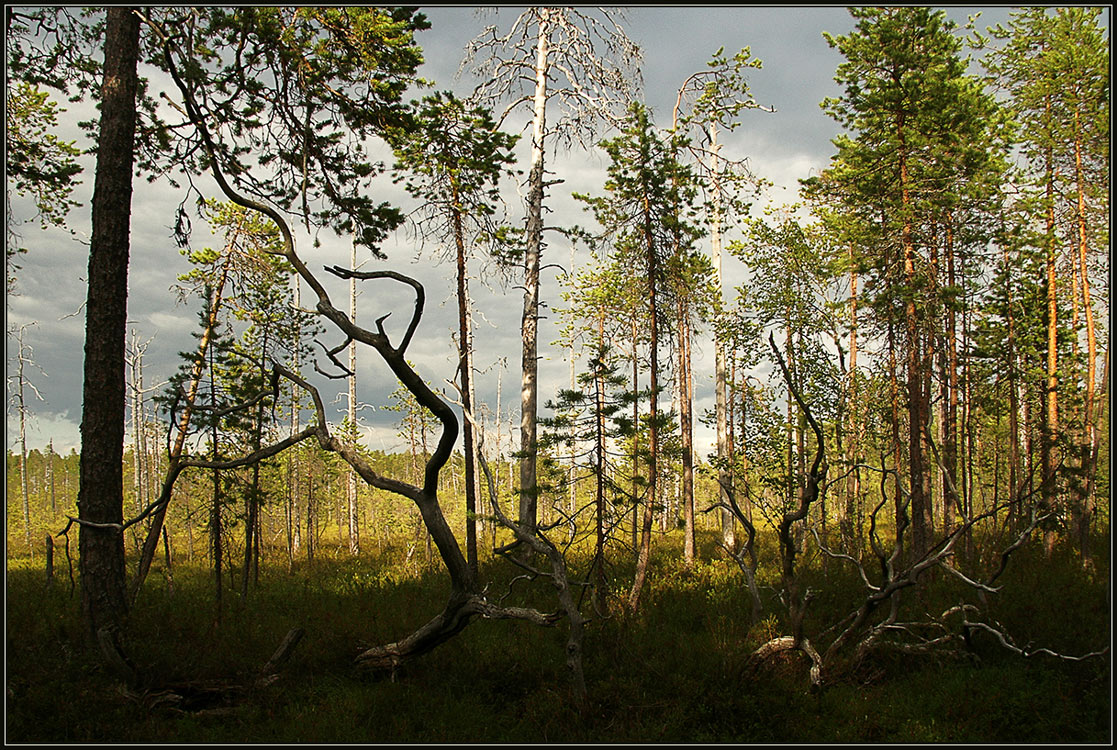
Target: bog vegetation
{"x": 901, "y": 535}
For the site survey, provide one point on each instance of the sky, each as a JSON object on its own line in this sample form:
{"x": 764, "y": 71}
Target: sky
{"x": 785, "y": 145}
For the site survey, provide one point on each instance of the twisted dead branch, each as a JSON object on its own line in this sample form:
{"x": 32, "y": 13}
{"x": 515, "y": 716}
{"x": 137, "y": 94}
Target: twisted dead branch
{"x": 467, "y": 599}
{"x": 860, "y": 631}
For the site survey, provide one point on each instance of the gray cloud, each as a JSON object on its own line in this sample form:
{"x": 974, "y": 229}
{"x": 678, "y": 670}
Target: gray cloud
{"x": 797, "y": 73}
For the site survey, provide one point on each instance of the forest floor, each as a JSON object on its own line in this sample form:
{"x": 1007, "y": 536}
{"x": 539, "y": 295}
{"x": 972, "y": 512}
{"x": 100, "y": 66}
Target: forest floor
{"x": 675, "y": 672}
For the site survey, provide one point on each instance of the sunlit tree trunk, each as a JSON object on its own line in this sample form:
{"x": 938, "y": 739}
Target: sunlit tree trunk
{"x": 724, "y": 443}
{"x": 465, "y": 364}
{"x": 686, "y": 402}
{"x": 1085, "y": 502}
{"x": 529, "y": 326}
{"x": 351, "y": 475}
{"x": 1051, "y": 399}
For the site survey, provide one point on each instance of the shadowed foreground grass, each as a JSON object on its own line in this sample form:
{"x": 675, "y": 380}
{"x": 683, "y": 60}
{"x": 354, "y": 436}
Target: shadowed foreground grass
{"x": 675, "y": 672}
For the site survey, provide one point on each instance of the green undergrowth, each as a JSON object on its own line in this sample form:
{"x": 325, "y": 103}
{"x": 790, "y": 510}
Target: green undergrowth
{"x": 677, "y": 671}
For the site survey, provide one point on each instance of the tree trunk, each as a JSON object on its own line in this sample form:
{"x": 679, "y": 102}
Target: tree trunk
{"x": 894, "y": 425}
{"x": 151, "y": 541}
{"x": 50, "y": 474}
{"x": 653, "y": 427}
{"x": 215, "y": 545}
{"x": 23, "y": 483}
{"x": 635, "y": 444}
{"x": 686, "y": 403}
{"x": 599, "y": 583}
{"x": 351, "y": 476}
{"x": 100, "y": 494}
{"x": 252, "y": 520}
{"x": 853, "y": 482}
{"x": 950, "y": 423}
{"x": 465, "y": 364}
{"x": 529, "y": 325}
{"x": 1051, "y": 399}
{"x": 1016, "y": 513}
{"x": 294, "y": 522}
{"x": 137, "y": 421}
{"x": 916, "y": 403}
{"x": 1091, "y": 434}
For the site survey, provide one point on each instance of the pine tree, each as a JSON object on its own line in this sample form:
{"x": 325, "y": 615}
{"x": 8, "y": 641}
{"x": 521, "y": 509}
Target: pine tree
{"x": 916, "y": 126}
{"x": 593, "y": 415}
{"x": 640, "y": 213}
{"x": 1054, "y": 65}
{"x": 454, "y": 158}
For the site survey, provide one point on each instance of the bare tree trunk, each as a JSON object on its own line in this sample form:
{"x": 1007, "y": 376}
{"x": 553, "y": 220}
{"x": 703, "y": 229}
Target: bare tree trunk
{"x": 50, "y": 474}
{"x": 686, "y": 403}
{"x": 294, "y": 522}
{"x": 351, "y": 476}
{"x": 311, "y": 522}
{"x": 529, "y": 388}
{"x": 189, "y": 532}
{"x": 724, "y": 473}
{"x": 465, "y": 365}
{"x": 571, "y": 471}
{"x": 137, "y": 421}
{"x": 23, "y": 484}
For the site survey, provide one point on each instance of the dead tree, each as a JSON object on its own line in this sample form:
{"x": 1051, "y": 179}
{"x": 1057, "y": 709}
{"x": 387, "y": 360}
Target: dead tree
{"x": 23, "y": 356}
{"x": 865, "y": 628}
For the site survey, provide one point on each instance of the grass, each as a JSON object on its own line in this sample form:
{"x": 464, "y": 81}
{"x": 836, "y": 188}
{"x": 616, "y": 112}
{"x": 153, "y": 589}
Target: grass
{"x": 675, "y": 672}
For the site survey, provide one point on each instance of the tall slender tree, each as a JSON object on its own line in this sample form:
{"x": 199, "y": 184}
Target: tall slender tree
{"x": 453, "y": 159}
{"x": 640, "y": 213}
{"x": 18, "y": 395}
{"x": 711, "y": 101}
{"x": 584, "y": 65}
{"x": 1054, "y": 63}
